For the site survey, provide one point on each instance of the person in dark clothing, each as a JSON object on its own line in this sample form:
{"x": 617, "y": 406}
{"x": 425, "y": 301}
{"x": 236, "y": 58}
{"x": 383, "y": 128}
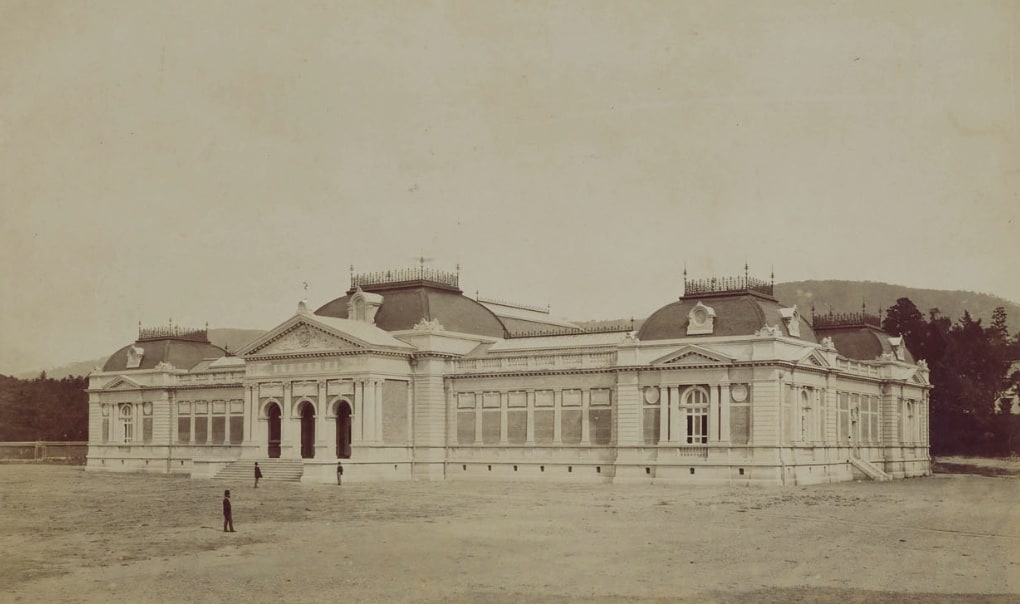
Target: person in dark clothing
{"x": 339, "y": 472}
{"x": 258, "y": 474}
{"x": 228, "y": 519}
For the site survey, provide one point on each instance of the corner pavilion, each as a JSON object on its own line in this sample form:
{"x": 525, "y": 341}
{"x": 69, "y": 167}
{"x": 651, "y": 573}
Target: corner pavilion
{"x": 406, "y": 378}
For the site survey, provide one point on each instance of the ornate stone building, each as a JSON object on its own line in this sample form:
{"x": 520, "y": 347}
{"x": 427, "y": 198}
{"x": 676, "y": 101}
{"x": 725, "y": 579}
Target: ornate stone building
{"x": 404, "y": 377}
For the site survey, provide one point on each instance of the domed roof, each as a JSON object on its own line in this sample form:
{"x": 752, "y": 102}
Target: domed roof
{"x": 858, "y": 336}
{"x": 741, "y": 307}
{"x": 180, "y": 347}
{"x": 415, "y": 294}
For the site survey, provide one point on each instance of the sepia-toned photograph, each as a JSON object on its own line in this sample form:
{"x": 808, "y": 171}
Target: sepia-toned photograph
{"x": 482, "y": 302}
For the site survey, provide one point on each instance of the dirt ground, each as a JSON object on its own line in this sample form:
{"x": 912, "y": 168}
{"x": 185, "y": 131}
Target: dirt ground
{"x": 68, "y": 536}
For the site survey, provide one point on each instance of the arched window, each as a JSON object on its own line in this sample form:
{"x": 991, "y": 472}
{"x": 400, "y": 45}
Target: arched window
{"x": 128, "y": 421}
{"x": 695, "y": 411}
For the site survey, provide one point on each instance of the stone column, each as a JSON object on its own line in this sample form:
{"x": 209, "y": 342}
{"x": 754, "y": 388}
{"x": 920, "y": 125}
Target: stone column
{"x": 674, "y": 416}
{"x": 249, "y": 415}
{"x": 557, "y": 414}
{"x": 724, "y": 411}
{"x": 530, "y": 440}
{"x": 663, "y": 415}
{"x": 377, "y": 391}
{"x": 479, "y": 409}
{"x": 410, "y": 413}
{"x": 585, "y": 424}
{"x": 288, "y": 449}
{"x": 504, "y": 437}
{"x": 368, "y": 415}
{"x": 357, "y": 416}
{"x": 322, "y": 423}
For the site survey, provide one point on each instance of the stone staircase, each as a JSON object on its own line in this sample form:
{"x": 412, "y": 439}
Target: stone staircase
{"x": 869, "y": 469}
{"x": 289, "y": 470}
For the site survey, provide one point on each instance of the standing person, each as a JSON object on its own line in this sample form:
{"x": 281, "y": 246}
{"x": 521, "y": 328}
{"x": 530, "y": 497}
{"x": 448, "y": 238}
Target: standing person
{"x": 228, "y": 518}
{"x": 339, "y": 472}
{"x": 258, "y": 474}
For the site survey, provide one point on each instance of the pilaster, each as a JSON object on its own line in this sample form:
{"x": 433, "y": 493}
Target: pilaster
{"x": 628, "y": 408}
{"x": 585, "y": 423}
{"x": 530, "y": 440}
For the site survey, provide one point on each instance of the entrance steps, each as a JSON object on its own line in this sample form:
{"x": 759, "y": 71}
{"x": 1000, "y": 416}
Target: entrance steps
{"x": 289, "y": 470}
{"x": 869, "y": 469}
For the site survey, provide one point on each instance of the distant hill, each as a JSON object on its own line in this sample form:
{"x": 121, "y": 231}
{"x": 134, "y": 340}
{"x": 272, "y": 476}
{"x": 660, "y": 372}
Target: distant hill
{"x": 838, "y": 296}
{"x": 846, "y": 296}
{"x": 224, "y": 337}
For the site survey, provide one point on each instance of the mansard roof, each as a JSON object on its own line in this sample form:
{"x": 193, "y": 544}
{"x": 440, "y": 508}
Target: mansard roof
{"x": 182, "y": 348}
{"x": 411, "y": 295}
{"x": 742, "y": 306}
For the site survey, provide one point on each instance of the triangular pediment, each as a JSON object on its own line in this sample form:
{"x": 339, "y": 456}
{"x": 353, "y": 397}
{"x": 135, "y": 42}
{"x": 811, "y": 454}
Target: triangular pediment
{"x": 302, "y": 334}
{"x": 122, "y": 383}
{"x": 917, "y": 378}
{"x": 814, "y": 358}
{"x": 694, "y": 355}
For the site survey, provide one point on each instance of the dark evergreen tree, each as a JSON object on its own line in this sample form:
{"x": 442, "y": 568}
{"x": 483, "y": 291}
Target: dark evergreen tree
{"x": 904, "y": 319}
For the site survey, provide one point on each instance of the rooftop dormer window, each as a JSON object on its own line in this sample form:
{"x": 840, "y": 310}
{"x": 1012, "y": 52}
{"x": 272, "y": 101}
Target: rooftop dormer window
{"x": 701, "y": 320}
{"x": 791, "y": 318}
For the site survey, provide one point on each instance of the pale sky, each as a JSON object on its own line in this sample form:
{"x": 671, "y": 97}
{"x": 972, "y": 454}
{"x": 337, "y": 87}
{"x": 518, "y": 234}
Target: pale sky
{"x": 202, "y": 161}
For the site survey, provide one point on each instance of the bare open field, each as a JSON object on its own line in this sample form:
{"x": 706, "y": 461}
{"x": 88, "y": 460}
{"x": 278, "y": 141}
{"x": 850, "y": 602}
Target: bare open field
{"x": 68, "y": 536}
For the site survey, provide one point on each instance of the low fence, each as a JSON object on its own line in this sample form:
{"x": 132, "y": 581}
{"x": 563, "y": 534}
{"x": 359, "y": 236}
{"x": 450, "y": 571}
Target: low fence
{"x": 41, "y": 450}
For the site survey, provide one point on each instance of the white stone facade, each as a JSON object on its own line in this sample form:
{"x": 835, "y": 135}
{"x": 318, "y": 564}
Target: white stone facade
{"x": 429, "y": 403}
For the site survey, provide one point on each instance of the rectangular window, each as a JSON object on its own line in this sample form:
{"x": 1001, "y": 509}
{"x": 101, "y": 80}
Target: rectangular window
{"x": 147, "y": 429}
{"x": 466, "y": 427}
{"x": 466, "y": 400}
{"x": 601, "y": 397}
{"x": 490, "y": 427}
{"x": 570, "y": 426}
{"x": 106, "y": 429}
{"x": 184, "y": 429}
{"x": 544, "y": 429}
{"x": 517, "y": 427}
{"x": 517, "y": 400}
{"x": 201, "y": 429}
{"x": 236, "y": 429}
{"x": 600, "y": 422}
{"x": 219, "y": 430}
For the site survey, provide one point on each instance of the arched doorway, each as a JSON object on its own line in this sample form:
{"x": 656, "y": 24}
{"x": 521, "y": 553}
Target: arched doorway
{"x": 274, "y": 430}
{"x": 343, "y": 430}
{"x": 307, "y": 431}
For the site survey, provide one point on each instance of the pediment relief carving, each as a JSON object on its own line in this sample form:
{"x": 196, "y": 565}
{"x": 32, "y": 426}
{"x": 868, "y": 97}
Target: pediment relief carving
{"x": 692, "y": 355}
{"x": 121, "y": 383}
{"x": 304, "y": 337}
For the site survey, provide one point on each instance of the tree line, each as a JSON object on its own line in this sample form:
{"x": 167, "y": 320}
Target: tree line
{"x": 969, "y": 369}
{"x": 44, "y": 409}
